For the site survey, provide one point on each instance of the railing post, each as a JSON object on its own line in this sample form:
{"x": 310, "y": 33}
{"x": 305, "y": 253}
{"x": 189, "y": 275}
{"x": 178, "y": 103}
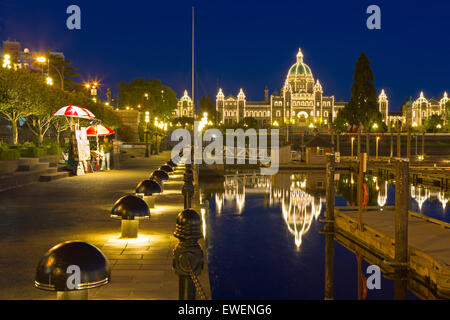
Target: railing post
{"x": 188, "y": 187}
{"x": 188, "y": 255}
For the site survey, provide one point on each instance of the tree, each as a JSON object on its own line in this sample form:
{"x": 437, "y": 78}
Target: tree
{"x": 60, "y": 67}
{"x": 19, "y": 96}
{"x": 434, "y": 123}
{"x": 206, "y": 104}
{"x": 363, "y": 105}
{"x": 248, "y": 122}
{"x": 150, "y": 95}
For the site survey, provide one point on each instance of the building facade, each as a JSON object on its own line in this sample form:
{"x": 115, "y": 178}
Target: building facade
{"x": 184, "y": 107}
{"x": 301, "y": 102}
{"x": 415, "y": 112}
{"x": 27, "y": 59}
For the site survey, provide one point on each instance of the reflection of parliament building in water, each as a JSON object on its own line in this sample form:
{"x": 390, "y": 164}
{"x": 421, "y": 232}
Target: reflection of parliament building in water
{"x": 301, "y": 196}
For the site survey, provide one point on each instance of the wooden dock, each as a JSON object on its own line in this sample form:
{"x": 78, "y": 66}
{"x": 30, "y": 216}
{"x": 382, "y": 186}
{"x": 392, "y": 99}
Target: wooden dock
{"x": 428, "y": 246}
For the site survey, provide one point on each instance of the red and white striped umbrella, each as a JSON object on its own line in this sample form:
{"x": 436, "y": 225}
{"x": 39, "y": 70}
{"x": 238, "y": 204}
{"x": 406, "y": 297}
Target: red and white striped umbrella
{"x": 74, "y": 111}
{"x": 99, "y": 130}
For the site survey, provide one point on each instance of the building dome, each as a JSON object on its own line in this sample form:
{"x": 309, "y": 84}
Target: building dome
{"x": 300, "y": 68}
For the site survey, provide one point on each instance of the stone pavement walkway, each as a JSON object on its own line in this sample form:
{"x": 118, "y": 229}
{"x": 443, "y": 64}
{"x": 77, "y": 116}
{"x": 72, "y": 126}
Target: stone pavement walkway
{"x": 38, "y": 216}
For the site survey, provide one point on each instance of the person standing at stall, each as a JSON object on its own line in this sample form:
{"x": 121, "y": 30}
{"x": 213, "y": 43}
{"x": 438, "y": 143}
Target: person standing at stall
{"x": 107, "y": 148}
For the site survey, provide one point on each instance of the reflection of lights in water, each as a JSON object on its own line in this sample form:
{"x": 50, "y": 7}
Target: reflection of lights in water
{"x": 422, "y": 195}
{"x": 219, "y": 203}
{"x": 299, "y": 210}
{"x": 443, "y": 199}
{"x": 203, "y": 212}
{"x": 382, "y": 195}
{"x": 240, "y": 201}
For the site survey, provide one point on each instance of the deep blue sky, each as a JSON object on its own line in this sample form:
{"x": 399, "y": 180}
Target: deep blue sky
{"x": 244, "y": 44}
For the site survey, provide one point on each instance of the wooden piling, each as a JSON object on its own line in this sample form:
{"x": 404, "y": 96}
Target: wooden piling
{"x": 401, "y": 212}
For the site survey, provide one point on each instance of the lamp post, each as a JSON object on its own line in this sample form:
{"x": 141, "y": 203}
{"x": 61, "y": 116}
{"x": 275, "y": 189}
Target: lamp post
{"x": 92, "y": 86}
{"x": 49, "y": 80}
{"x": 147, "y": 120}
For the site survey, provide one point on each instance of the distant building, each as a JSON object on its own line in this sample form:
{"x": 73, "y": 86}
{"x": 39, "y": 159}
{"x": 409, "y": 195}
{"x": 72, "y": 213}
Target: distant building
{"x": 26, "y": 59}
{"x": 300, "y": 103}
{"x": 316, "y": 150}
{"x": 184, "y": 107}
{"x": 415, "y": 112}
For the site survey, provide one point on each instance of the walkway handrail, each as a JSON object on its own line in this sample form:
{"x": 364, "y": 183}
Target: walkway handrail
{"x": 443, "y": 224}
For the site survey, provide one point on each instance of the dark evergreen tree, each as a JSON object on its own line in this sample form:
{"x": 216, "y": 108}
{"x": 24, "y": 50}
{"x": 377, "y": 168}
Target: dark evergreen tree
{"x": 363, "y": 105}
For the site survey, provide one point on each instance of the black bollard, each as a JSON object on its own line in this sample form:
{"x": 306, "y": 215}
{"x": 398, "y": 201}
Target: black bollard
{"x": 188, "y": 255}
{"x": 72, "y": 268}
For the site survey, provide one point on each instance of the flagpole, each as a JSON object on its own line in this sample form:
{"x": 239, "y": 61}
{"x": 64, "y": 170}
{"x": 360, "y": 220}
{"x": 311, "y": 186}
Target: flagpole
{"x": 193, "y": 60}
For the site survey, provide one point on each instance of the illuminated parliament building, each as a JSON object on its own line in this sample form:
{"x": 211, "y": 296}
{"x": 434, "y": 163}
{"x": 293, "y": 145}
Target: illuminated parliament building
{"x": 302, "y": 103}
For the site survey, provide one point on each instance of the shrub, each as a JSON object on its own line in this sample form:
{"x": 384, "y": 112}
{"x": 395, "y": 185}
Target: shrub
{"x": 9, "y": 154}
{"x": 52, "y": 147}
{"x": 33, "y": 152}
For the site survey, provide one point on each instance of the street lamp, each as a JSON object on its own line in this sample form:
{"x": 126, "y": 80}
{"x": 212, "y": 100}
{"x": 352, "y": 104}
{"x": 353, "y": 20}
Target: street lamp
{"x": 92, "y": 86}
{"x": 42, "y": 60}
{"x": 147, "y": 120}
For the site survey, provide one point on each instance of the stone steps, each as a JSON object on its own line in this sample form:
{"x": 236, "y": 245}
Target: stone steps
{"x": 31, "y": 170}
{"x": 53, "y": 176}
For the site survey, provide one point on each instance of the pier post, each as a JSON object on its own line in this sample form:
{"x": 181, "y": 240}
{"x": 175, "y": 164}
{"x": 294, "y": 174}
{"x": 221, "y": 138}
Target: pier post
{"x": 423, "y": 145}
{"x": 337, "y": 143}
{"x": 362, "y": 166}
{"x": 399, "y": 138}
{"x": 392, "y": 144}
{"x": 401, "y": 212}
{"x": 329, "y": 229}
{"x": 329, "y": 213}
{"x": 368, "y": 144}
{"x": 329, "y": 263}
{"x": 408, "y": 145}
{"x": 359, "y": 142}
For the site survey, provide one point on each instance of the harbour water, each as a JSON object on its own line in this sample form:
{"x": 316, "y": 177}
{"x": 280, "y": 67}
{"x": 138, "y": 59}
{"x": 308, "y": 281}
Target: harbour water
{"x": 264, "y": 238}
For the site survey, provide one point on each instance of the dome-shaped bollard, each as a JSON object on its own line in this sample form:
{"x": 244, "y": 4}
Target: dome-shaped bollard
{"x": 171, "y": 163}
{"x": 147, "y": 189}
{"x": 188, "y": 255}
{"x": 160, "y": 176}
{"x": 71, "y": 268}
{"x": 130, "y": 209}
{"x": 166, "y": 168}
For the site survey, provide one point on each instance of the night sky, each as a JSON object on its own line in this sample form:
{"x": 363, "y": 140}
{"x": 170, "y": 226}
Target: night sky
{"x": 246, "y": 44}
